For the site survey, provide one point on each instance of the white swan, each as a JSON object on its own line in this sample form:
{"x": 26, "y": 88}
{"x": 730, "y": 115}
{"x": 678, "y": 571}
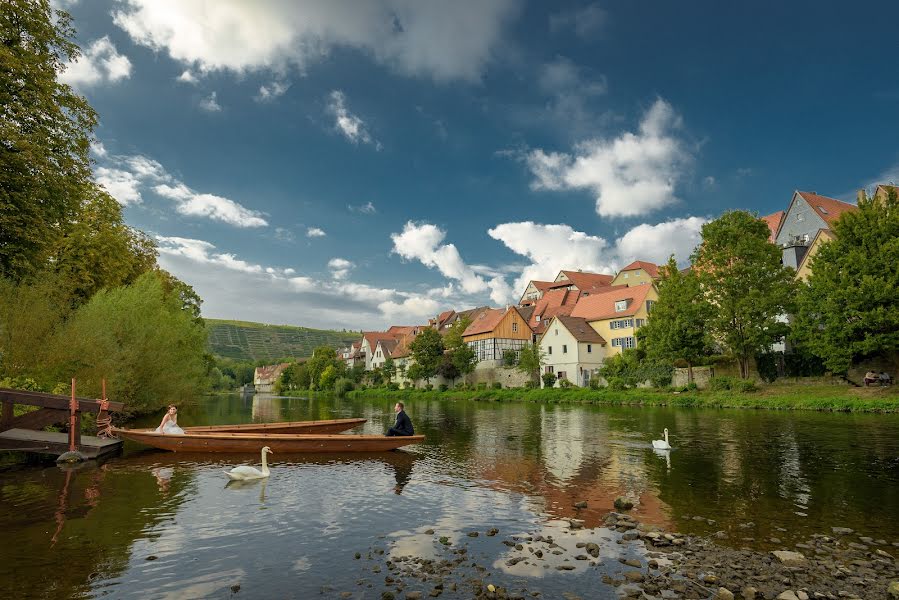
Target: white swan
{"x": 244, "y": 473}
{"x": 662, "y": 444}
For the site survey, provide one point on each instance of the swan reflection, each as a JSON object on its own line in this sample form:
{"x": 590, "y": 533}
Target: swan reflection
{"x": 666, "y": 454}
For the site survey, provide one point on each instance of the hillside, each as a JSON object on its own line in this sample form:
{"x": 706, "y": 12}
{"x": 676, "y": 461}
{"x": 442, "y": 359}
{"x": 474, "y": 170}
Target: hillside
{"x": 242, "y": 340}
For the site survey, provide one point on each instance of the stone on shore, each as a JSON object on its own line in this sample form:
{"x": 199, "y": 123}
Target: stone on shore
{"x": 724, "y": 594}
{"x": 622, "y": 503}
{"x": 788, "y": 595}
{"x": 790, "y": 559}
{"x": 893, "y": 590}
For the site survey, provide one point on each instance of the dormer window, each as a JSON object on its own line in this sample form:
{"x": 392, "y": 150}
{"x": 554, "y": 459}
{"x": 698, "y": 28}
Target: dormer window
{"x": 537, "y": 318}
{"x": 823, "y": 210}
{"x": 620, "y": 305}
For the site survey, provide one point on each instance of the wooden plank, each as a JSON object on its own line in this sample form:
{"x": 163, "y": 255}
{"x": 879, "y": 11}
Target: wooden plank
{"x": 55, "y": 401}
{"x": 39, "y": 419}
{"x": 6, "y": 415}
{"x": 55, "y": 443}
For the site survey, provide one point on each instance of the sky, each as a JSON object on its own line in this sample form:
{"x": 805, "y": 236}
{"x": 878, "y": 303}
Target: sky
{"x": 357, "y": 164}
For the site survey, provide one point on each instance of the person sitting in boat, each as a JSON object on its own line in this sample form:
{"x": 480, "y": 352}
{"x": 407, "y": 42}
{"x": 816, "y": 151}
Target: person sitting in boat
{"x": 403, "y": 425}
{"x": 169, "y": 425}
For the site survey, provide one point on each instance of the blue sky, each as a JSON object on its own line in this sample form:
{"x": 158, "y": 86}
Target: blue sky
{"x": 355, "y": 164}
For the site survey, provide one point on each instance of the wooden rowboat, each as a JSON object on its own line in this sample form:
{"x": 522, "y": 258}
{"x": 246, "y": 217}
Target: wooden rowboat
{"x": 332, "y": 426}
{"x": 278, "y": 442}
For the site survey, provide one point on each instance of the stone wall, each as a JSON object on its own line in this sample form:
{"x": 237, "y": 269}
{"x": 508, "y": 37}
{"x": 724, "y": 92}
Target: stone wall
{"x": 508, "y": 377}
{"x": 701, "y": 376}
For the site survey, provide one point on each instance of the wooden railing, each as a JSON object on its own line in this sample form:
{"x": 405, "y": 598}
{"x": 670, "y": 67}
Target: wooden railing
{"x": 53, "y": 409}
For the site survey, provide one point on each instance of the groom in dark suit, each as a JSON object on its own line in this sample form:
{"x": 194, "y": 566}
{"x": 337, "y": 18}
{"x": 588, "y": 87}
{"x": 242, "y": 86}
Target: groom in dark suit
{"x": 403, "y": 425}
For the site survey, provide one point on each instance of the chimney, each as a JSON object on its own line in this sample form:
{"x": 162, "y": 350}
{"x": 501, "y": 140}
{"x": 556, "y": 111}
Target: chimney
{"x": 860, "y": 195}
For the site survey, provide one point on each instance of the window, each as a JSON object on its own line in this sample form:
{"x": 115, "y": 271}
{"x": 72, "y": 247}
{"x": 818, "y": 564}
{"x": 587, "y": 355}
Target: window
{"x": 561, "y": 375}
{"x": 637, "y": 273}
{"x": 641, "y": 322}
{"x": 622, "y": 324}
{"x": 625, "y": 342}
{"x": 549, "y": 369}
{"x": 557, "y": 332}
{"x": 537, "y": 318}
{"x": 629, "y": 342}
{"x": 514, "y": 327}
{"x": 620, "y": 305}
{"x": 549, "y": 350}
{"x": 626, "y": 275}
{"x": 589, "y": 348}
{"x": 564, "y": 349}
{"x": 649, "y": 305}
{"x": 823, "y": 210}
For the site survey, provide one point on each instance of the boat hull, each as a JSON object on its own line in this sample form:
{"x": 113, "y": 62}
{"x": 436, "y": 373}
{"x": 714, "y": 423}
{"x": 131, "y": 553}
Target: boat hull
{"x": 318, "y": 427}
{"x": 253, "y": 442}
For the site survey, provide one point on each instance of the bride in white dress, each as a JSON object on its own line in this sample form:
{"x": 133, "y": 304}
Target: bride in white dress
{"x": 169, "y": 425}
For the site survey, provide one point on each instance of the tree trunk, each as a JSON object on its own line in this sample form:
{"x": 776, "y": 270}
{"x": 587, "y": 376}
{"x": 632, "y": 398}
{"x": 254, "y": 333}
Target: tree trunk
{"x": 689, "y": 373}
{"x": 744, "y": 367}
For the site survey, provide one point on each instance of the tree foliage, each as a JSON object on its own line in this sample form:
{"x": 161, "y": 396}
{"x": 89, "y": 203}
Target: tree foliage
{"x": 45, "y": 132}
{"x": 322, "y": 358}
{"x": 676, "y": 330}
{"x": 427, "y": 352}
{"x": 530, "y": 360}
{"x": 850, "y": 306}
{"x": 461, "y": 355}
{"x": 745, "y": 284}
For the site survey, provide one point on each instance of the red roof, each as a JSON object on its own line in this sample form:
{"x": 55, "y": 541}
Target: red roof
{"x": 374, "y": 337}
{"x": 651, "y": 269}
{"x": 580, "y": 329}
{"x": 828, "y": 209}
{"x": 773, "y": 222}
{"x": 585, "y": 281}
{"x": 602, "y": 305}
{"x": 553, "y": 302}
{"x": 485, "y": 321}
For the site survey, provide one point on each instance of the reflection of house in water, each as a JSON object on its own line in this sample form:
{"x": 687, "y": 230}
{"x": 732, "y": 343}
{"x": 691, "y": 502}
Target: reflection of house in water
{"x": 264, "y": 378}
{"x": 266, "y": 408}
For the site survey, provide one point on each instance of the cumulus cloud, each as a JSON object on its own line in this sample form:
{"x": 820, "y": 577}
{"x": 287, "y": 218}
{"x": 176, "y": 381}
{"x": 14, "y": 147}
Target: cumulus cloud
{"x": 314, "y": 232}
{"x": 269, "y": 92}
{"x": 424, "y": 242}
{"x": 340, "y": 267}
{"x": 441, "y": 40}
{"x": 271, "y": 294}
{"x": 125, "y": 176}
{"x": 99, "y": 63}
{"x": 352, "y": 127}
{"x": 630, "y": 175}
{"x": 188, "y": 77}
{"x": 656, "y": 243}
{"x": 210, "y": 103}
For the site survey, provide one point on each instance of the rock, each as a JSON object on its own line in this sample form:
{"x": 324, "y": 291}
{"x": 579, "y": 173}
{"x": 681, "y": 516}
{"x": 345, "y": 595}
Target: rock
{"x": 151, "y": 557}
{"x": 788, "y": 595}
{"x": 841, "y": 530}
{"x": 492, "y": 531}
{"x": 724, "y": 594}
{"x": 622, "y": 503}
{"x": 472, "y": 534}
{"x": 749, "y": 592}
{"x": 592, "y": 549}
{"x": 235, "y": 588}
{"x": 576, "y": 523}
{"x": 387, "y": 596}
{"x": 348, "y": 595}
{"x": 413, "y": 595}
{"x": 633, "y": 576}
{"x": 429, "y": 532}
{"x": 893, "y": 590}
{"x": 581, "y": 504}
{"x": 790, "y": 559}
{"x": 357, "y": 556}
{"x": 565, "y": 568}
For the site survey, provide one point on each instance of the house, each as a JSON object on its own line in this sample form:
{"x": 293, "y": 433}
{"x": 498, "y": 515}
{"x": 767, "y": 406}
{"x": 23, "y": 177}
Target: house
{"x": 264, "y": 378}
{"x": 572, "y": 349}
{"x": 445, "y": 324}
{"x": 804, "y": 269}
{"x": 806, "y": 215}
{"x": 773, "y": 222}
{"x": 352, "y": 355}
{"x": 559, "y": 301}
{"x": 882, "y": 191}
{"x": 383, "y": 351}
{"x": 369, "y": 344}
{"x": 638, "y": 272}
{"x": 616, "y": 314}
{"x": 495, "y": 330}
{"x": 579, "y": 281}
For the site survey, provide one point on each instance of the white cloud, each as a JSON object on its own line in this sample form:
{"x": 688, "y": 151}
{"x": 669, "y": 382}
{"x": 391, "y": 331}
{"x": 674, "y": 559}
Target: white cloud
{"x": 284, "y": 235}
{"x": 273, "y": 294}
{"x": 709, "y": 182}
{"x": 442, "y": 40}
{"x": 314, "y": 232}
{"x": 656, "y": 243}
{"x": 368, "y": 208}
{"x": 210, "y": 103}
{"x": 98, "y": 149}
{"x": 633, "y": 174}
{"x": 423, "y": 242}
{"x": 340, "y": 267}
{"x": 586, "y": 22}
{"x": 121, "y": 185}
{"x": 188, "y": 77}
{"x": 192, "y": 203}
{"x": 269, "y": 92}
{"x": 352, "y": 127}
{"x": 99, "y": 63}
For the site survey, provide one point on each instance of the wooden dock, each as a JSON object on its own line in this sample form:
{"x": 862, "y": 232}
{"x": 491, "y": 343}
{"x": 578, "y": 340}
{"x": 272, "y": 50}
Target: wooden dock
{"x": 56, "y": 443}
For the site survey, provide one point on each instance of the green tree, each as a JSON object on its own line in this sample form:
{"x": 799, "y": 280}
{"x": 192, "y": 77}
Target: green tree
{"x": 388, "y": 369}
{"x": 849, "y": 308}
{"x": 461, "y": 355}
{"x": 327, "y": 378}
{"x": 747, "y": 287}
{"x": 322, "y": 358}
{"x": 447, "y": 368}
{"x": 150, "y": 350}
{"x": 530, "y": 361}
{"x": 295, "y": 377}
{"x": 427, "y": 352}
{"x": 676, "y": 330}
{"x": 45, "y": 132}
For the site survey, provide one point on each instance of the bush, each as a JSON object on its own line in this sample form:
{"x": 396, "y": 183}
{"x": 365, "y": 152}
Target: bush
{"x": 531, "y": 385}
{"x": 393, "y": 386}
{"x": 594, "y": 383}
{"x": 617, "y": 384}
{"x": 745, "y": 385}
{"x": 429, "y": 386}
{"x": 461, "y": 386}
{"x": 564, "y": 383}
{"x": 549, "y": 380}
{"x": 732, "y": 383}
{"x": 343, "y": 385}
{"x": 482, "y": 385}
{"x": 767, "y": 365}
{"x": 510, "y": 358}
{"x": 443, "y": 387}
{"x": 497, "y": 385}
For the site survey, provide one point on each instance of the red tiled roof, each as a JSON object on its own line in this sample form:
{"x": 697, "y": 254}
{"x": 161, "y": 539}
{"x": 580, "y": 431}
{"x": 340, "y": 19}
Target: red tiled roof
{"x": 602, "y": 306}
{"x": 828, "y": 209}
{"x": 553, "y": 302}
{"x": 374, "y": 337}
{"x": 396, "y": 330}
{"x": 585, "y": 281}
{"x": 773, "y": 222}
{"x": 651, "y": 269}
{"x": 485, "y": 321}
{"x": 580, "y": 329}
{"x": 387, "y": 346}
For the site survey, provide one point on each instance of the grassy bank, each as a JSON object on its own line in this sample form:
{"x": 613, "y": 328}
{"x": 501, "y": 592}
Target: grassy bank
{"x": 774, "y": 397}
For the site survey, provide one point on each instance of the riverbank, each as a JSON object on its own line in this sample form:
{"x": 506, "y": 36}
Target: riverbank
{"x": 786, "y": 396}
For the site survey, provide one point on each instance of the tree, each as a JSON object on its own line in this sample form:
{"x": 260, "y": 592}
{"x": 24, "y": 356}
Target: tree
{"x": 447, "y": 368}
{"x": 530, "y": 361}
{"x": 295, "y": 377}
{"x": 849, "y": 308}
{"x": 427, "y": 351}
{"x": 747, "y": 287}
{"x": 389, "y": 369}
{"x": 45, "y": 132}
{"x": 322, "y": 358}
{"x": 461, "y": 355}
{"x": 676, "y": 330}
{"x": 327, "y": 378}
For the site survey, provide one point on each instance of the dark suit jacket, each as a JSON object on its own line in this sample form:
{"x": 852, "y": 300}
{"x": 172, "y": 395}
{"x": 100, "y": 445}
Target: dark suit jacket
{"x": 403, "y": 425}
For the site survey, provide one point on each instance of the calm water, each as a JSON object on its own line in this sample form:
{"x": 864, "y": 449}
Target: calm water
{"x": 516, "y": 466}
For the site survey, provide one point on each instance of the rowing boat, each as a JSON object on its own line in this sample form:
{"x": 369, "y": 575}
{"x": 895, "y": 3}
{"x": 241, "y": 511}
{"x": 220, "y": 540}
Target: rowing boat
{"x": 332, "y": 426}
{"x": 278, "y": 442}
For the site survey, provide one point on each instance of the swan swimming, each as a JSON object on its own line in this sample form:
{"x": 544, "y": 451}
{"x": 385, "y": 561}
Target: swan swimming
{"x": 244, "y": 472}
{"x": 662, "y": 444}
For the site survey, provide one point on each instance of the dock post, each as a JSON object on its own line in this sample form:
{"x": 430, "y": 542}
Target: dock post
{"x": 73, "y": 455}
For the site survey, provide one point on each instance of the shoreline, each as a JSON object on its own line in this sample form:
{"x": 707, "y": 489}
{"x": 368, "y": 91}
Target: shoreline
{"x": 822, "y": 398}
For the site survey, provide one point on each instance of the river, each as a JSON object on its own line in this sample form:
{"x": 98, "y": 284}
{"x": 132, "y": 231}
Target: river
{"x": 150, "y": 524}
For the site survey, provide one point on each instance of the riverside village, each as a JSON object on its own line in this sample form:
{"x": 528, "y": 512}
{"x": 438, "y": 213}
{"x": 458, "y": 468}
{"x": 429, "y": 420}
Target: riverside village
{"x": 381, "y": 300}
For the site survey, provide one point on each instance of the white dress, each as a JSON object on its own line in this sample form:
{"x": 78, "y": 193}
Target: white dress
{"x": 171, "y": 428}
